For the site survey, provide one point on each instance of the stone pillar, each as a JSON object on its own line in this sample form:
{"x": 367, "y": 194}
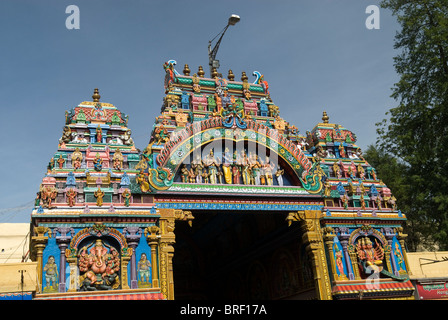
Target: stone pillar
{"x": 312, "y": 238}
{"x": 40, "y": 242}
{"x": 167, "y": 239}
{"x": 328, "y": 236}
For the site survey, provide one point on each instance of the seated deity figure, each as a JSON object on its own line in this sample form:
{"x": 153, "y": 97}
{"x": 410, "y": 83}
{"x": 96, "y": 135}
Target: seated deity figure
{"x": 371, "y": 259}
{"x": 99, "y": 265}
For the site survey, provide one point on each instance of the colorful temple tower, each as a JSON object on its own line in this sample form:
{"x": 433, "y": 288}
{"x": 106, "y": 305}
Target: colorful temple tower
{"x": 227, "y": 201}
{"x": 92, "y": 233}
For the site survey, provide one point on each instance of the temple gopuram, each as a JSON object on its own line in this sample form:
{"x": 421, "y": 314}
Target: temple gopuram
{"x": 227, "y": 201}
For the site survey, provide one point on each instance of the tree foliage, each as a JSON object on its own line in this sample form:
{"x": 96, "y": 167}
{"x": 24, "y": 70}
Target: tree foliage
{"x": 416, "y": 133}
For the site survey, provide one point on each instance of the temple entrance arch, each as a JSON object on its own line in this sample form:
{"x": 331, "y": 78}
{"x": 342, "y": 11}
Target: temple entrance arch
{"x": 241, "y": 255}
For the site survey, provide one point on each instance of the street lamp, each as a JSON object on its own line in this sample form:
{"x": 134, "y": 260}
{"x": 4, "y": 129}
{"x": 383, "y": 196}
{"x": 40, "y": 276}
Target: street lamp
{"x": 213, "y": 63}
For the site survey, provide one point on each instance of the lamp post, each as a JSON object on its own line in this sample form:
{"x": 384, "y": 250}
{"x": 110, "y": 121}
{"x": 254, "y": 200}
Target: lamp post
{"x": 213, "y": 63}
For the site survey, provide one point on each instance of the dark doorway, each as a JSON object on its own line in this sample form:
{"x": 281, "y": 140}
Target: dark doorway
{"x": 239, "y": 256}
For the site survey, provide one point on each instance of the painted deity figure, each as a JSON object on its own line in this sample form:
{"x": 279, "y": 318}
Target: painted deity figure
{"x": 212, "y": 163}
{"x": 198, "y": 167}
{"x": 126, "y": 196}
{"x": 51, "y": 275}
{"x": 99, "y": 266}
{"x": 99, "y": 194}
{"x": 256, "y": 168}
{"x": 61, "y": 161}
{"x": 337, "y": 170}
{"x": 48, "y": 194}
{"x": 268, "y": 167}
{"x": 184, "y": 173}
{"x": 99, "y": 134}
{"x": 279, "y": 175}
{"x": 71, "y": 196}
{"x": 226, "y": 167}
{"x": 245, "y": 168}
{"x": 117, "y": 160}
{"x": 369, "y": 257}
{"x": 143, "y": 269}
{"x": 342, "y": 153}
{"x": 76, "y": 159}
{"x": 361, "y": 171}
{"x": 339, "y": 263}
{"x": 142, "y": 181}
{"x": 399, "y": 256}
{"x": 98, "y": 163}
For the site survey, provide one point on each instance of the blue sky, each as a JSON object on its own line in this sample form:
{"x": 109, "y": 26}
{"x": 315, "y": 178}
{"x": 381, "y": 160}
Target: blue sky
{"x": 316, "y": 55}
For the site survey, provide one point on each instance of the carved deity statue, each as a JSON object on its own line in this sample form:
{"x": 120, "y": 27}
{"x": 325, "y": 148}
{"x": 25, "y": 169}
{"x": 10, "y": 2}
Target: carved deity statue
{"x": 99, "y": 265}
{"x": 370, "y": 258}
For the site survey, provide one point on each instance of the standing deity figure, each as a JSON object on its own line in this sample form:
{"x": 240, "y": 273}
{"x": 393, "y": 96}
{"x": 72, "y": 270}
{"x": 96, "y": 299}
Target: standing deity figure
{"x": 370, "y": 258}
{"x": 245, "y": 166}
{"x": 337, "y": 170}
{"x": 51, "y": 275}
{"x": 126, "y": 196}
{"x": 71, "y": 196}
{"x": 361, "y": 171}
{"x": 279, "y": 175}
{"x": 99, "y": 134}
{"x": 399, "y": 257}
{"x": 268, "y": 167}
{"x": 76, "y": 159}
{"x": 341, "y": 151}
{"x": 184, "y": 173}
{"x": 61, "y": 161}
{"x": 99, "y": 194}
{"x": 212, "y": 163}
{"x": 340, "y": 263}
{"x": 226, "y": 166}
{"x": 117, "y": 160}
{"x": 143, "y": 269}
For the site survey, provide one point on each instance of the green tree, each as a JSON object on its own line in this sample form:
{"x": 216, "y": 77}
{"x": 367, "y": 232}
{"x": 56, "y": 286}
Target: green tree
{"x": 416, "y": 131}
{"x": 395, "y": 175}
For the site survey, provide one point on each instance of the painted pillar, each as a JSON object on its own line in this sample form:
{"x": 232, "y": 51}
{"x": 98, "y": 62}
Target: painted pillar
{"x": 63, "y": 240}
{"x": 167, "y": 238}
{"x": 133, "y": 235}
{"x": 153, "y": 243}
{"x": 40, "y": 242}
{"x": 343, "y": 239}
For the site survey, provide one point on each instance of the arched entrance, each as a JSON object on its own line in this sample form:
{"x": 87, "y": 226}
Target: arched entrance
{"x": 240, "y": 256}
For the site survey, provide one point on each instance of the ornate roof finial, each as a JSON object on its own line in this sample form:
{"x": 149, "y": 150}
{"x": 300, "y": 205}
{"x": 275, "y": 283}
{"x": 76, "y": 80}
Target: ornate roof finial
{"x": 186, "y": 70}
{"x": 230, "y": 75}
{"x": 214, "y": 73}
{"x": 201, "y": 72}
{"x": 325, "y": 117}
{"x": 96, "y": 96}
{"x": 244, "y": 77}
